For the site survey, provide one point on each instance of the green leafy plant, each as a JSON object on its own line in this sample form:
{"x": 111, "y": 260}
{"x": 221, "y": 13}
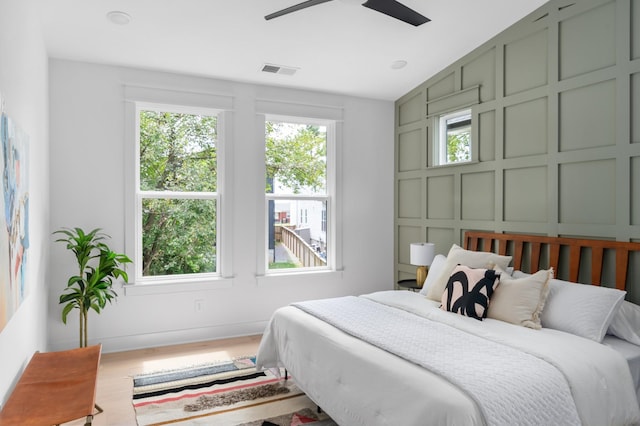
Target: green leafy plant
{"x": 98, "y": 266}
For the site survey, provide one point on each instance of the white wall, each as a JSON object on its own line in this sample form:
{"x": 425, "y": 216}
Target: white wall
{"x": 23, "y": 83}
{"x": 88, "y": 185}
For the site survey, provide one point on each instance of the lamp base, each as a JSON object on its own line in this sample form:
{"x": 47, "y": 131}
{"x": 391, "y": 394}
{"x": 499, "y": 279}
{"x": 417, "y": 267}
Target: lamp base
{"x": 421, "y": 275}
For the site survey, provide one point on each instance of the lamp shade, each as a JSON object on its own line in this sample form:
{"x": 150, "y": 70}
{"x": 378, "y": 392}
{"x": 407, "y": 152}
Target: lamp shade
{"x": 422, "y": 254}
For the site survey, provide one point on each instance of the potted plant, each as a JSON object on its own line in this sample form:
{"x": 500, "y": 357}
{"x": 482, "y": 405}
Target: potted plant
{"x": 98, "y": 266}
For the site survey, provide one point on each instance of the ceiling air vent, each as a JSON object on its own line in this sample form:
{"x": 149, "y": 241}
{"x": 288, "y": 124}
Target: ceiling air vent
{"x": 279, "y": 69}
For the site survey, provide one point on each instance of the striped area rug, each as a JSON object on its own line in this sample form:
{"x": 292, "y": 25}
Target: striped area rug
{"x": 227, "y": 393}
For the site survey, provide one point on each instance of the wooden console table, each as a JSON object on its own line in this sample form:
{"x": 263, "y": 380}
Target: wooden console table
{"x": 56, "y": 387}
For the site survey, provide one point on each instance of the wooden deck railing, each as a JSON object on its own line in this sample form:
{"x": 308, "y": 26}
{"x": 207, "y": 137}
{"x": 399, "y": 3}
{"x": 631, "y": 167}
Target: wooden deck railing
{"x": 299, "y": 247}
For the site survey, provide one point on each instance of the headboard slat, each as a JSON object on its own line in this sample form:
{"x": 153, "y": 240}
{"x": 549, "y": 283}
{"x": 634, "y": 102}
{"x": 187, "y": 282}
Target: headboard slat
{"x": 554, "y": 257}
{"x": 574, "y": 263}
{"x": 487, "y": 244}
{"x": 472, "y": 243}
{"x": 517, "y": 254}
{"x": 502, "y": 248}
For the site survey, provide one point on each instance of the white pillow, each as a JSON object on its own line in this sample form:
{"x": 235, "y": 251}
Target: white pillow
{"x": 626, "y": 323}
{"x": 434, "y": 272}
{"x": 459, "y": 256}
{"x": 520, "y": 300}
{"x": 580, "y": 309}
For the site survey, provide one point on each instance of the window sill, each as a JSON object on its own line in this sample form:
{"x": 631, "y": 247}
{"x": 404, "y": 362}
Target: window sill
{"x": 177, "y": 286}
{"x": 311, "y": 277}
{"x": 461, "y": 163}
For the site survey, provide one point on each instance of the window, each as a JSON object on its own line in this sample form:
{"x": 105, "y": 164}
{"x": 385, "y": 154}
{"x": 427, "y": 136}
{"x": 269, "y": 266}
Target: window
{"x": 298, "y": 192}
{"x": 453, "y": 138}
{"x": 177, "y": 199}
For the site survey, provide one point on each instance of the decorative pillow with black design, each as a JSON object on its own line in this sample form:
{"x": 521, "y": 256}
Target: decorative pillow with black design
{"x": 469, "y": 291}
{"x": 459, "y": 256}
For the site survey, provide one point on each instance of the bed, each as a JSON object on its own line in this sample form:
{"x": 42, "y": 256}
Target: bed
{"x": 542, "y": 351}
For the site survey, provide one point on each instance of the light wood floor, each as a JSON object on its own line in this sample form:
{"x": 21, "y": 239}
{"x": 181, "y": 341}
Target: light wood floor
{"x": 115, "y": 382}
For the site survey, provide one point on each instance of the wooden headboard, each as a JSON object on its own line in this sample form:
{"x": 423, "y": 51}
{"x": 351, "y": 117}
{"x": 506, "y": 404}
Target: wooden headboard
{"x": 532, "y": 252}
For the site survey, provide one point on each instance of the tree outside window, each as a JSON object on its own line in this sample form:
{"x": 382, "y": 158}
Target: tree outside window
{"x": 453, "y": 138}
{"x": 177, "y": 196}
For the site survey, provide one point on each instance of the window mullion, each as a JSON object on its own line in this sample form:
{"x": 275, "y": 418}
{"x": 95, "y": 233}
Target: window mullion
{"x": 180, "y": 195}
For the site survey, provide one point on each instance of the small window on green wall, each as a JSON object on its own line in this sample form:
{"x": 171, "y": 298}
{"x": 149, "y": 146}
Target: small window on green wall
{"x": 453, "y": 138}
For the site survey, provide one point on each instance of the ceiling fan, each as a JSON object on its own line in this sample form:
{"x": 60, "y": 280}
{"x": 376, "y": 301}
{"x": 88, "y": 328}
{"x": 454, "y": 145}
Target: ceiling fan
{"x": 388, "y": 7}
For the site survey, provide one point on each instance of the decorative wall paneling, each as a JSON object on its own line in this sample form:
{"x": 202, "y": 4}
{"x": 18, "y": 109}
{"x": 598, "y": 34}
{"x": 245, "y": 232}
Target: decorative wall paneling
{"x": 556, "y": 135}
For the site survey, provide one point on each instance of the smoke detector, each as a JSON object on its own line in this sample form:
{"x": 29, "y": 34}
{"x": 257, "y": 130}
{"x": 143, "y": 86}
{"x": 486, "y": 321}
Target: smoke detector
{"x": 279, "y": 69}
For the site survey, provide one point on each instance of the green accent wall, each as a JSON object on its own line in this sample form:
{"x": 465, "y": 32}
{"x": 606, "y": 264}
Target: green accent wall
{"x": 556, "y": 135}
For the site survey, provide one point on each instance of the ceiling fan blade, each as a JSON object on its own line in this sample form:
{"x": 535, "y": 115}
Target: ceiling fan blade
{"x": 397, "y": 10}
{"x": 295, "y": 8}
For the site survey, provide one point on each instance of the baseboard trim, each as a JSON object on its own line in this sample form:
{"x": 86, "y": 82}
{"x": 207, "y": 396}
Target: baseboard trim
{"x": 167, "y": 338}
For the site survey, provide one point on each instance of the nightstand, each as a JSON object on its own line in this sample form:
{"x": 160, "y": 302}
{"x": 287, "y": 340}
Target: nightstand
{"x": 410, "y": 285}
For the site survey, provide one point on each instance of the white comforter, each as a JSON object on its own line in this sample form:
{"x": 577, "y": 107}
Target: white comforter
{"x": 520, "y": 383}
{"x": 358, "y": 384}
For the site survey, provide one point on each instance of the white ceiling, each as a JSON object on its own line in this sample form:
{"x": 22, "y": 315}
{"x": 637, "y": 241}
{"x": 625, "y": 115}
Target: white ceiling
{"x": 338, "y": 46}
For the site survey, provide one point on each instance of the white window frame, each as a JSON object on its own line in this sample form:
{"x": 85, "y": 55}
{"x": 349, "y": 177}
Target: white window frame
{"x": 332, "y": 198}
{"x": 159, "y": 100}
{"x": 440, "y": 137}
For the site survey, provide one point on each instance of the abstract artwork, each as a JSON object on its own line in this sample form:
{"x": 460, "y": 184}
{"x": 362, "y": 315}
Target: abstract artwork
{"x": 14, "y": 219}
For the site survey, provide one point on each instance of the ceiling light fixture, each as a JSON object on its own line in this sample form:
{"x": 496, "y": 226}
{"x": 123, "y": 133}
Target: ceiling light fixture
{"x": 396, "y": 65}
{"x": 119, "y": 18}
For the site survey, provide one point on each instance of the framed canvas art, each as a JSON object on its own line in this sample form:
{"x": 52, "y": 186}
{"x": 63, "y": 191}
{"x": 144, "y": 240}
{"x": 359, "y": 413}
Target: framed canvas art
{"x": 14, "y": 219}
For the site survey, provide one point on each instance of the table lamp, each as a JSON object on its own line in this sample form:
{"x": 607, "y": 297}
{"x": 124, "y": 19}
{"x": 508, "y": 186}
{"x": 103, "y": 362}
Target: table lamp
{"x": 422, "y": 255}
